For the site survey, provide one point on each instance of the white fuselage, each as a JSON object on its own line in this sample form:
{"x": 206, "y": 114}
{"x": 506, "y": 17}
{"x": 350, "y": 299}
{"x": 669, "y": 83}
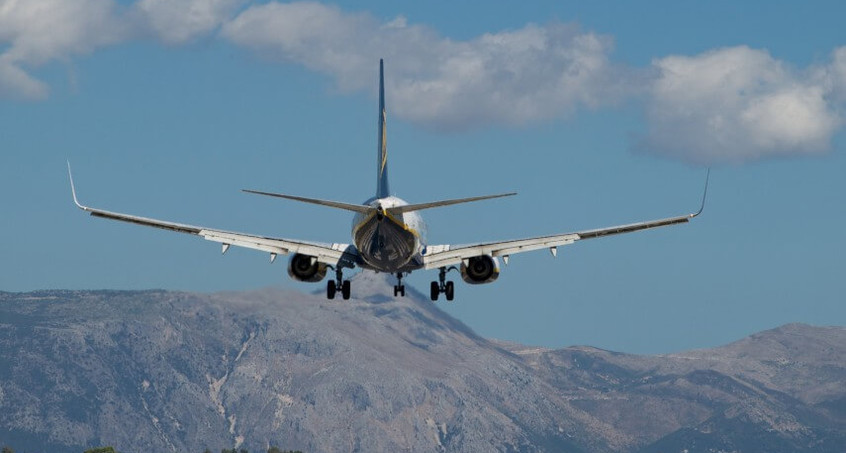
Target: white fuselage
{"x": 389, "y": 242}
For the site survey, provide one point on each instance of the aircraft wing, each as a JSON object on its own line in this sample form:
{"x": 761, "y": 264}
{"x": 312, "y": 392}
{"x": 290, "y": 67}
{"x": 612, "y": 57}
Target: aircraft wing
{"x": 445, "y": 255}
{"x": 437, "y": 256}
{"x": 331, "y": 254}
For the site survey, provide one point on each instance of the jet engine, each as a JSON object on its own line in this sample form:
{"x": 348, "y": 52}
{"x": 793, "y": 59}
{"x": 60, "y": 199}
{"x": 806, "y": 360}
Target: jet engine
{"x": 480, "y": 269}
{"x": 305, "y": 268}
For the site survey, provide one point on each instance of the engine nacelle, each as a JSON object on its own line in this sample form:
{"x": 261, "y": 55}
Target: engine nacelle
{"x": 480, "y": 269}
{"x": 305, "y": 268}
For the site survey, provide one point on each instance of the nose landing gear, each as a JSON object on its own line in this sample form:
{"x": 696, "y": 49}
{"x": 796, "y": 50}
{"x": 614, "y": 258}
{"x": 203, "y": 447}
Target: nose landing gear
{"x": 399, "y": 288}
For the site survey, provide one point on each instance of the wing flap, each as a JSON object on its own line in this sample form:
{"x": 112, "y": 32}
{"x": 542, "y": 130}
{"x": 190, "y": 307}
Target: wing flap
{"x": 330, "y": 254}
{"x": 441, "y": 256}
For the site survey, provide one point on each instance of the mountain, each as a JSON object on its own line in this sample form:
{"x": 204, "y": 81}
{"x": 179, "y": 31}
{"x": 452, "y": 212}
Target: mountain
{"x": 174, "y": 371}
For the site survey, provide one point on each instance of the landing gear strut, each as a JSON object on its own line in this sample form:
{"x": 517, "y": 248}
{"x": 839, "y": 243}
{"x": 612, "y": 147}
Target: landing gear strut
{"x": 338, "y": 284}
{"x": 442, "y": 286}
{"x": 399, "y": 288}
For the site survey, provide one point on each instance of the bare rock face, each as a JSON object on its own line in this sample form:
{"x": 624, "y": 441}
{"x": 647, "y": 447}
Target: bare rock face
{"x": 169, "y": 371}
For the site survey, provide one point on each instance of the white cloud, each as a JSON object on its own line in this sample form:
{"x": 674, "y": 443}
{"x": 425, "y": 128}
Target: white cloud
{"x": 736, "y": 104}
{"x": 513, "y": 77}
{"x": 16, "y": 83}
{"x": 723, "y": 106}
{"x": 181, "y": 21}
{"x": 38, "y": 31}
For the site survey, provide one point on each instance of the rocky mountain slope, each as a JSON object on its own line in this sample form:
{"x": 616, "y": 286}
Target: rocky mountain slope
{"x": 170, "y": 371}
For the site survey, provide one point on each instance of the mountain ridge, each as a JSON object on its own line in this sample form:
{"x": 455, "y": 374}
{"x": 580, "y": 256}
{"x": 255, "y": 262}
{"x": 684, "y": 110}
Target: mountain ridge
{"x": 179, "y": 371}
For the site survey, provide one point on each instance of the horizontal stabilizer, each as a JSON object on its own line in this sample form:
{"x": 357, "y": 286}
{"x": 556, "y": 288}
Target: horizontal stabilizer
{"x": 332, "y": 204}
{"x": 435, "y": 204}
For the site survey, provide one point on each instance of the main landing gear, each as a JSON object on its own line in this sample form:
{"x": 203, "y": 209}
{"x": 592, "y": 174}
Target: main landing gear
{"x": 338, "y": 284}
{"x": 442, "y": 286}
{"x": 399, "y": 288}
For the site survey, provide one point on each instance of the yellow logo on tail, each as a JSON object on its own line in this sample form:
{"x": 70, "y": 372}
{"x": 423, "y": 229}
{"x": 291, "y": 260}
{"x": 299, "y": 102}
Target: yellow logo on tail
{"x": 384, "y": 142}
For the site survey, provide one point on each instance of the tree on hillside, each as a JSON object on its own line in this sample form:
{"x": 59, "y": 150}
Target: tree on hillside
{"x": 101, "y": 450}
{"x": 7, "y": 449}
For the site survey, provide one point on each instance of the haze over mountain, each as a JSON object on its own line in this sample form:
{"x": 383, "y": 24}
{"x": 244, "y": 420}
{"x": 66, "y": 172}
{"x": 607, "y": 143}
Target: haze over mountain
{"x": 174, "y": 371}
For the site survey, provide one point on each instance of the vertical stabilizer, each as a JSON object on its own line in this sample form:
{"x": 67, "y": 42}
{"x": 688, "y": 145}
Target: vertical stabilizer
{"x": 382, "y": 190}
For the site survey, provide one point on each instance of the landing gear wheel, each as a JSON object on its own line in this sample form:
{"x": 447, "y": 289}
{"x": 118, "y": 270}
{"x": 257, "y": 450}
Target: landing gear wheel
{"x": 345, "y": 289}
{"x": 449, "y": 290}
{"x": 338, "y": 284}
{"x": 330, "y": 289}
{"x": 434, "y": 290}
{"x": 443, "y": 286}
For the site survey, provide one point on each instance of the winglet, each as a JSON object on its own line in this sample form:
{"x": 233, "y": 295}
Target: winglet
{"x": 704, "y": 194}
{"x": 73, "y": 189}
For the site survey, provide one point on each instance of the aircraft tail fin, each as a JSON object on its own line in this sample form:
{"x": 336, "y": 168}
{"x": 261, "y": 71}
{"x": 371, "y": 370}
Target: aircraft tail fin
{"x": 382, "y": 189}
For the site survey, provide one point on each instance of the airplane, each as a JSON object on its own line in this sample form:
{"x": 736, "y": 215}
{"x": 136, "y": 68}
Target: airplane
{"x": 388, "y": 235}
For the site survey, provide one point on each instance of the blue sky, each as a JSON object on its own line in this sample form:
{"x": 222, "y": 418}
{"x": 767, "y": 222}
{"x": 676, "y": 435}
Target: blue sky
{"x": 597, "y": 114}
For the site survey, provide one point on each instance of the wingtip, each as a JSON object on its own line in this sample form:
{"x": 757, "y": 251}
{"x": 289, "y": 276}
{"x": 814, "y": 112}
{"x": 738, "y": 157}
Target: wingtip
{"x": 704, "y": 194}
{"x": 73, "y": 188}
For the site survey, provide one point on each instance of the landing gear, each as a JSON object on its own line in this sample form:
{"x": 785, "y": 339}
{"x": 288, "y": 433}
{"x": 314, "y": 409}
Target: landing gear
{"x": 442, "y": 286}
{"x": 399, "y": 288}
{"x": 338, "y": 284}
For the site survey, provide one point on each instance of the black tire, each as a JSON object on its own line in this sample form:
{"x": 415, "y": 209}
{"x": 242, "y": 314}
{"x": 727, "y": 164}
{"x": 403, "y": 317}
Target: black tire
{"x": 330, "y": 289}
{"x": 434, "y": 290}
{"x": 402, "y": 290}
{"x": 396, "y": 290}
{"x": 345, "y": 289}
{"x": 450, "y": 290}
